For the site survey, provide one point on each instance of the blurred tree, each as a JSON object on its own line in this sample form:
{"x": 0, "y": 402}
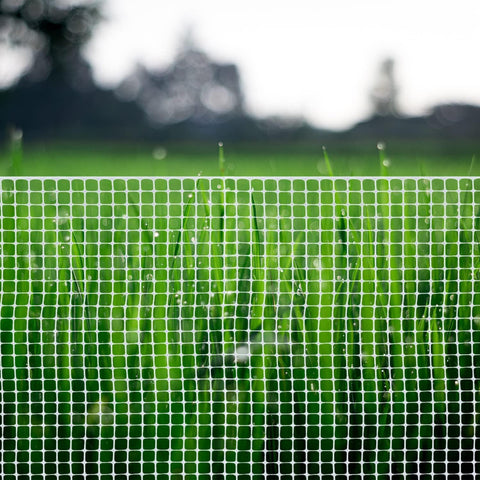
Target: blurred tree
{"x": 56, "y": 95}
{"x": 52, "y": 33}
{"x": 194, "y": 89}
{"x": 384, "y": 93}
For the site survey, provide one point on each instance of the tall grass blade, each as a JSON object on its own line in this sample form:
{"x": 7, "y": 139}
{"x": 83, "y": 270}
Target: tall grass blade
{"x": 15, "y": 151}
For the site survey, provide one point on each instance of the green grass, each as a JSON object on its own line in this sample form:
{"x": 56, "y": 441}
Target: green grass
{"x": 297, "y": 327}
{"x": 267, "y": 159}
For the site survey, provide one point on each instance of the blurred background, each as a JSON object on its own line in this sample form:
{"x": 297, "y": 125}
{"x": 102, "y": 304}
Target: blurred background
{"x": 150, "y": 88}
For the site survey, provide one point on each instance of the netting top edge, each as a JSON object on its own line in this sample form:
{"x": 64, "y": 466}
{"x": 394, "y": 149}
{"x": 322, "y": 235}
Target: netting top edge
{"x": 219, "y": 177}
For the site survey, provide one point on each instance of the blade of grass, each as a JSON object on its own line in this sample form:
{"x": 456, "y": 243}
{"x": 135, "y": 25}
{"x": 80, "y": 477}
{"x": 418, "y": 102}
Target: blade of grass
{"x": 327, "y": 162}
{"x": 221, "y": 159}
{"x": 259, "y": 286}
{"x": 16, "y": 152}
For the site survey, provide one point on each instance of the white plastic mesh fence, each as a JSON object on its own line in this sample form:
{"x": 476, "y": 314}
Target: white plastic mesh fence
{"x": 240, "y": 328}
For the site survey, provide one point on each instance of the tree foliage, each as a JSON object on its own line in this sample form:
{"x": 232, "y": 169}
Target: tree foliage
{"x": 52, "y": 32}
{"x": 384, "y": 94}
{"x": 193, "y": 88}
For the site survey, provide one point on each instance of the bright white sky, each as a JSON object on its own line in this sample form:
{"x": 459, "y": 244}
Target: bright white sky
{"x": 316, "y": 58}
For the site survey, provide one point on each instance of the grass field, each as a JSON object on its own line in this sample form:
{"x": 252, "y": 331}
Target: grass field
{"x": 222, "y": 328}
{"x": 414, "y": 158}
{"x": 234, "y": 328}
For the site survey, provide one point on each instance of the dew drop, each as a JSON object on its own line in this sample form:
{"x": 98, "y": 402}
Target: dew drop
{"x": 159, "y": 153}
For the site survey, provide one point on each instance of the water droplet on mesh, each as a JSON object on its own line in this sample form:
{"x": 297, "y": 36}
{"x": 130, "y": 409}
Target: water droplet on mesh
{"x": 156, "y": 234}
{"x": 194, "y": 240}
{"x": 386, "y": 162}
{"x": 242, "y": 354}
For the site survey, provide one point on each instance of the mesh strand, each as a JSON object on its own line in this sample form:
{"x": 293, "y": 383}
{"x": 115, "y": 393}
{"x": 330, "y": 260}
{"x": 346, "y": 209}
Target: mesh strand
{"x": 240, "y": 328}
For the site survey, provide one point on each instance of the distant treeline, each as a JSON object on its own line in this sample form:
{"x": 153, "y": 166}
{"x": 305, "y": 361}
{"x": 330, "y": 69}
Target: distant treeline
{"x": 195, "y": 98}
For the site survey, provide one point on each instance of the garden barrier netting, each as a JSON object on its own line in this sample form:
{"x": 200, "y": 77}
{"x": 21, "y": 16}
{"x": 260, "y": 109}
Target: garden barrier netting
{"x": 240, "y": 328}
